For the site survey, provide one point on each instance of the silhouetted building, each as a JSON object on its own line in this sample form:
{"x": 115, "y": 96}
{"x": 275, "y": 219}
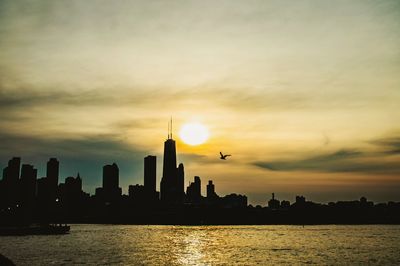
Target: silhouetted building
{"x": 110, "y": 190}
{"x": 2, "y": 195}
{"x": 150, "y": 179}
{"x": 110, "y": 177}
{"x": 234, "y": 201}
{"x": 12, "y": 170}
{"x": 211, "y": 190}
{"x": 11, "y": 182}
{"x": 45, "y": 197}
{"x": 169, "y": 186}
{"x": 150, "y": 173}
{"x": 73, "y": 201}
{"x": 47, "y": 187}
{"x": 285, "y": 204}
{"x": 363, "y": 200}
{"x": 74, "y": 185}
{"x": 52, "y": 172}
{"x": 27, "y": 185}
{"x": 43, "y": 190}
{"x": 146, "y": 194}
{"x": 300, "y": 201}
{"x": 212, "y": 198}
{"x": 138, "y": 193}
{"x": 172, "y": 181}
{"x": 71, "y": 190}
{"x": 273, "y": 203}
{"x": 181, "y": 180}
{"x": 193, "y": 191}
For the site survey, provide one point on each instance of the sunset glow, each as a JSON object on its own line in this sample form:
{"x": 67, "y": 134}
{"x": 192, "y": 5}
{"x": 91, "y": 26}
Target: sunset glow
{"x": 305, "y": 96}
{"x": 194, "y": 133}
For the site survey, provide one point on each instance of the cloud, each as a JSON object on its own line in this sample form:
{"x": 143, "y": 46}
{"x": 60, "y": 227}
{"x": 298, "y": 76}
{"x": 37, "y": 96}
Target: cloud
{"x": 391, "y": 145}
{"x": 28, "y": 97}
{"x": 239, "y": 99}
{"x": 345, "y": 160}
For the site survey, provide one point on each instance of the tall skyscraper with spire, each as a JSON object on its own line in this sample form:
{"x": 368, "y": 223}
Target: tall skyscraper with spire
{"x": 171, "y": 188}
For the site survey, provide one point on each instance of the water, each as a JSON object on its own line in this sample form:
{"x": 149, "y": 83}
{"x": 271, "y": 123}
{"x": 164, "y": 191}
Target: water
{"x": 209, "y": 245}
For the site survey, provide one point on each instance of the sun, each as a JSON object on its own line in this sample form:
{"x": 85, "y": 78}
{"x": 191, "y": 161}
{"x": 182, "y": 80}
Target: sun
{"x": 194, "y": 133}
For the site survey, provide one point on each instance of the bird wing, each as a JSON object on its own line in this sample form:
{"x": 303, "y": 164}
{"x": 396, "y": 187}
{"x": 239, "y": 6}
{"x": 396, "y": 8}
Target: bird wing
{"x": 221, "y": 154}
{"x": 228, "y": 155}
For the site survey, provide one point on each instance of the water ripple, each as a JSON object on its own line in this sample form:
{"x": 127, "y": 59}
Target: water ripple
{"x": 209, "y": 245}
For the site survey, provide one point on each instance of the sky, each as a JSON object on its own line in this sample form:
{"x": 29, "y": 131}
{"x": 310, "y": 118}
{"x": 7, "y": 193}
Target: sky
{"x": 305, "y": 95}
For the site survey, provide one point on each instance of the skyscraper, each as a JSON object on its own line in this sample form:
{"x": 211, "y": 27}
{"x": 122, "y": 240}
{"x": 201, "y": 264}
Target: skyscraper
{"x": 181, "y": 179}
{"x": 171, "y": 188}
{"x": 27, "y": 185}
{"x": 211, "y": 190}
{"x": 52, "y": 178}
{"x": 11, "y": 181}
{"x": 52, "y": 171}
{"x": 150, "y": 174}
{"x": 193, "y": 191}
{"x": 110, "y": 190}
{"x": 11, "y": 172}
{"x": 169, "y": 164}
{"x": 71, "y": 194}
{"x": 110, "y": 176}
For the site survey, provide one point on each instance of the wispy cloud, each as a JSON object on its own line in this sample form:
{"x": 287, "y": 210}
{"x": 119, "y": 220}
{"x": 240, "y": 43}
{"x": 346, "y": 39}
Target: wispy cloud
{"x": 345, "y": 160}
{"x": 391, "y": 145}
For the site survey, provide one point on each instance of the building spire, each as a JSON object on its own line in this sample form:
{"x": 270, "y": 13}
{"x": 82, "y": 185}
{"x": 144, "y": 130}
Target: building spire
{"x": 170, "y": 129}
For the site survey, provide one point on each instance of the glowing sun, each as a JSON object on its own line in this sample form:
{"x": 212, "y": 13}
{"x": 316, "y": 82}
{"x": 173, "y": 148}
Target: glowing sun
{"x": 194, "y": 133}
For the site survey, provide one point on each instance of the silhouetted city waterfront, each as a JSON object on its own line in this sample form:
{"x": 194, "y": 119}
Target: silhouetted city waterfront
{"x": 26, "y": 200}
{"x": 283, "y": 139}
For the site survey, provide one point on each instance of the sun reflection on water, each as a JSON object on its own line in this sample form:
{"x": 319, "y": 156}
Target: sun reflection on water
{"x": 190, "y": 248}
{"x": 209, "y": 245}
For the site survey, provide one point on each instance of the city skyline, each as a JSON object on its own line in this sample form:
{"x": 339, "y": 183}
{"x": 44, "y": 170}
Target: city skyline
{"x": 22, "y": 194}
{"x": 20, "y": 182}
{"x": 303, "y": 95}
{"x": 172, "y": 189}
{"x": 24, "y": 199}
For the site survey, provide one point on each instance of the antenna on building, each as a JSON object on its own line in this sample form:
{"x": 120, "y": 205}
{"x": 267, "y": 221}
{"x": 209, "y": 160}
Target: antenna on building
{"x": 171, "y": 127}
{"x": 168, "y": 130}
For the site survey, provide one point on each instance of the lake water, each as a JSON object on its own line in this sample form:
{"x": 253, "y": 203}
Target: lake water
{"x": 209, "y": 245}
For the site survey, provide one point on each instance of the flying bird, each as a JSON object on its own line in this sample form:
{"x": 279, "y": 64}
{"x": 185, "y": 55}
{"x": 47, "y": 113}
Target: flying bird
{"x": 223, "y": 157}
